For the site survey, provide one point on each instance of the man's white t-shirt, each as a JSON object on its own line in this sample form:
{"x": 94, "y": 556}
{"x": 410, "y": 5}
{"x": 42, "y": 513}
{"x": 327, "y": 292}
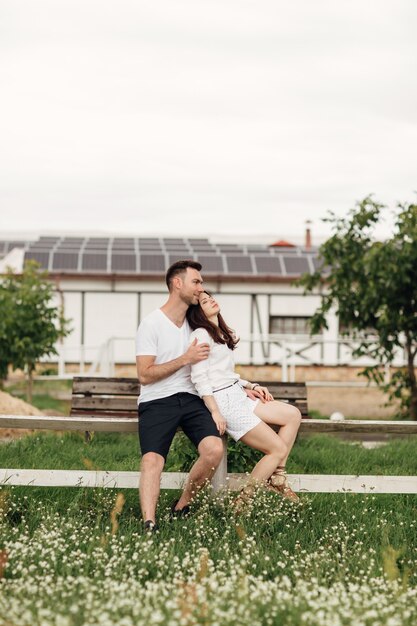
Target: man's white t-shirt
{"x": 158, "y": 336}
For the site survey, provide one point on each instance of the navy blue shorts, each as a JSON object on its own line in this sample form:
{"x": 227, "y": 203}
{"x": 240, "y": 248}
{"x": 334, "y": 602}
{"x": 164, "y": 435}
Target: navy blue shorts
{"x": 160, "y": 419}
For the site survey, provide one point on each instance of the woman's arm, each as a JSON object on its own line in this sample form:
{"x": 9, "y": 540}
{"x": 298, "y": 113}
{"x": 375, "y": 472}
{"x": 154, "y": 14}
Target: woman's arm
{"x": 218, "y": 418}
{"x": 200, "y": 379}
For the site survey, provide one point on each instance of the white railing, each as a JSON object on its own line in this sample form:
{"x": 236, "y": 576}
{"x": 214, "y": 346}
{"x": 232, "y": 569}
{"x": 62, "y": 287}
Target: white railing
{"x": 286, "y": 351}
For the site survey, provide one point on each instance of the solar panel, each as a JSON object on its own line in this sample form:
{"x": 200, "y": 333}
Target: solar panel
{"x": 123, "y": 242}
{"x": 205, "y": 249}
{"x": 41, "y": 245}
{"x": 124, "y": 249}
{"x": 229, "y": 246}
{"x": 180, "y": 254}
{"x": 173, "y": 258}
{"x": 40, "y": 257}
{"x": 152, "y": 263}
{"x": 239, "y": 264}
{"x": 94, "y": 262}
{"x": 319, "y": 266}
{"x": 123, "y": 263}
{"x": 65, "y": 261}
{"x": 252, "y": 247}
{"x": 211, "y": 264}
{"x": 15, "y": 244}
{"x": 148, "y": 240}
{"x": 168, "y": 240}
{"x": 193, "y": 240}
{"x": 176, "y": 245}
{"x": 70, "y": 247}
{"x": 268, "y": 264}
{"x": 296, "y": 265}
{"x": 73, "y": 239}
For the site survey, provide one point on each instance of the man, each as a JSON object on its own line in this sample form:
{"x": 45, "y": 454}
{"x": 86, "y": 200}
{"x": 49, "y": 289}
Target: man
{"x": 168, "y": 398}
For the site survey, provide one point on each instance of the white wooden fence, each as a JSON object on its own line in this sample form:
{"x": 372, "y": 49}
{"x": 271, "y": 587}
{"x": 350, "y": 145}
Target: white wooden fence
{"x": 318, "y": 483}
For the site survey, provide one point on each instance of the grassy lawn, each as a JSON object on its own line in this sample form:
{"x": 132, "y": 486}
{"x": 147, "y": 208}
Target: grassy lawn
{"x": 318, "y": 454}
{"x": 47, "y": 394}
{"x": 78, "y": 557}
{"x": 337, "y": 559}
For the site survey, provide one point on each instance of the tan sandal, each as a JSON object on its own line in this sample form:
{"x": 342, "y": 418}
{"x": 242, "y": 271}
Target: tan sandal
{"x": 245, "y": 497}
{"x": 278, "y": 482}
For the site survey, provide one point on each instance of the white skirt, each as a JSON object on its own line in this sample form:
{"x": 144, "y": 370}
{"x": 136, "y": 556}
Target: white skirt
{"x": 238, "y": 410}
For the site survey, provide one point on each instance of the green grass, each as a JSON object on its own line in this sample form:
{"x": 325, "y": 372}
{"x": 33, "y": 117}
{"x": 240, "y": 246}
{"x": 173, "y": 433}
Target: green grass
{"x": 44, "y": 392}
{"x": 335, "y": 559}
{"x": 74, "y": 560}
{"x": 318, "y": 454}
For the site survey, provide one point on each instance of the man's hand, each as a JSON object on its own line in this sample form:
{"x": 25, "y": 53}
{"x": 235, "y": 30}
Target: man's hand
{"x": 197, "y": 352}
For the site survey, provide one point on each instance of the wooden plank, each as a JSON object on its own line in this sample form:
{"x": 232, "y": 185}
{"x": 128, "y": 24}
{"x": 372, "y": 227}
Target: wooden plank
{"x": 96, "y": 403}
{"x": 100, "y": 386}
{"x": 307, "y": 483}
{"x": 359, "y": 426}
{"x": 131, "y": 386}
{"x": 287, "y": 391}
{"x": 341, "y": 483}
{"x": 82, "y": 478}
{"x": 84, "y": 423}
{"x": 128, "y": 424}
{"x": 302, "y": 407}
{"x": 89, "y": 414}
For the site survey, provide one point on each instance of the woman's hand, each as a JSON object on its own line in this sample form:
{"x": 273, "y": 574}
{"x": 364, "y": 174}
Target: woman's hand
{"x": 262, "y": 393}
{"x": 219, "y": 421}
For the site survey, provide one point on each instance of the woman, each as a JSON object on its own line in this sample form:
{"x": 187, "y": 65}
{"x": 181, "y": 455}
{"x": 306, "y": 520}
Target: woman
{"x": 243, "y": 418}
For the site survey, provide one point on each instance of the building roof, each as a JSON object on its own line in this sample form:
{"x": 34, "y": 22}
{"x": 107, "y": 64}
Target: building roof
{"x": 141, "y": 257}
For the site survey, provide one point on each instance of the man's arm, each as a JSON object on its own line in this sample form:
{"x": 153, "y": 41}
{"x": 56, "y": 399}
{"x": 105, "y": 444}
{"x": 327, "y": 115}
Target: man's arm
{"x": 149, "y": 373}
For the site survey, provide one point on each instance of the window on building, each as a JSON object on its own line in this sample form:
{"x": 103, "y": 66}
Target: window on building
{"x": 347, "y": 331}
{"x": 285, "y": 325}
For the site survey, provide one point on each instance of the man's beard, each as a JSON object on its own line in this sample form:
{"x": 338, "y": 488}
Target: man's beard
{"x": 188, "y": 300}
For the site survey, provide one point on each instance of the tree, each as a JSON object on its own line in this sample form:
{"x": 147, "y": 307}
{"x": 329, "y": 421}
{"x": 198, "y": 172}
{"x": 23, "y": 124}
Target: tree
{"x": 32, "y": 325}
{"x": 373, "y": 285}
{"x": 6, "y": 315}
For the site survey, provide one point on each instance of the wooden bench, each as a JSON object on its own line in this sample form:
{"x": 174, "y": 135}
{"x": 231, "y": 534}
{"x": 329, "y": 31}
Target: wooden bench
{"x": 117, "y": 397}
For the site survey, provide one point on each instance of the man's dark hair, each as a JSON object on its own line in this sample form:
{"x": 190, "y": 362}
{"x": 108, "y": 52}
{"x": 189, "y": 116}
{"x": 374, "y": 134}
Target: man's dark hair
{"x": 179, "y": 267}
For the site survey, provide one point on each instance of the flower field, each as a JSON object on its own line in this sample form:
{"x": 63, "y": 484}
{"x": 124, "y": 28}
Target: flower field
{"x": 336, "y": 559}
{"x": 75, "y": 557}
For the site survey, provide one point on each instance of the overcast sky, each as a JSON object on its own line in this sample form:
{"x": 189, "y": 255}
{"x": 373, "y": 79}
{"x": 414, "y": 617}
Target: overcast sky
{"x": 232, "y": 117}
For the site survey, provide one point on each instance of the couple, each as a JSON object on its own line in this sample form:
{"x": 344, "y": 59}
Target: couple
{"x": 184, "y": 357}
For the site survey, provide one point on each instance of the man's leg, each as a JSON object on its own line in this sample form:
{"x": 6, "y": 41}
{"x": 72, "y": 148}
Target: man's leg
{"x": 150, "y": 481}
{"x": 210, "y": 451}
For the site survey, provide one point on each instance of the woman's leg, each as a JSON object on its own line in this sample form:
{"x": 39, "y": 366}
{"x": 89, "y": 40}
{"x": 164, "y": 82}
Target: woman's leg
{"x": 285, "y": 415}
{"x": 265, "y": 439}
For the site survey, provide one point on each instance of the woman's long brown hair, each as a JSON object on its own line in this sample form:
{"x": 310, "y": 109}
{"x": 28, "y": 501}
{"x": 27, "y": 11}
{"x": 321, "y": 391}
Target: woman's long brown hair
{"x": 220, "y": 334}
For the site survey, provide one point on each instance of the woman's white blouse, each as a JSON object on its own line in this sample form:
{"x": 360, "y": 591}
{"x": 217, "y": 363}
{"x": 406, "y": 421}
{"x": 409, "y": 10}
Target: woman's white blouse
{"x": 218, "y": 370}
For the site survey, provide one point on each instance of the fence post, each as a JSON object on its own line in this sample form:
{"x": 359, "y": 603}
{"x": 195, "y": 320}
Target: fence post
{"x": 220, "y": 475}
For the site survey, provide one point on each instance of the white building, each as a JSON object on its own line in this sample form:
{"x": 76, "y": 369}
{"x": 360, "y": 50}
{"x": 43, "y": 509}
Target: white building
{"x": 107, "y": 285}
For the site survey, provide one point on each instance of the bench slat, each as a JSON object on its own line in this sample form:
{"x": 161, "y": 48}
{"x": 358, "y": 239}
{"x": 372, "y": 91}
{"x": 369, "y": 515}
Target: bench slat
{"x": 127, "y": 424}
{"x": 287, "y": 391}
{"x": 111, "y": 386}
{"x": 96, "y": 403}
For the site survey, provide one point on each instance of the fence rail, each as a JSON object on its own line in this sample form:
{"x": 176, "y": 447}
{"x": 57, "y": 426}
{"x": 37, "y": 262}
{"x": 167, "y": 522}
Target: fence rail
{"x": 174, "y": 480}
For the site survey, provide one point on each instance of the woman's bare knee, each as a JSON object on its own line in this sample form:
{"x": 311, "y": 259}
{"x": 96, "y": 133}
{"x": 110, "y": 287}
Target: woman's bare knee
{"x": 296, "y": 414}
